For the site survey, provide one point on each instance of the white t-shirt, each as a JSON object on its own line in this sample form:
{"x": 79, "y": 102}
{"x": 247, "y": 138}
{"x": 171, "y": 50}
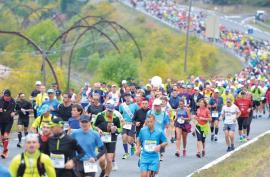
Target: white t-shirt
{"x": 230, "y": 113}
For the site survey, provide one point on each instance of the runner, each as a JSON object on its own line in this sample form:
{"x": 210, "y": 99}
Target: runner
{"x": 230, "y": 113}
{"x": 194, "y": 100}
{"x": 45, "y": 117}
{"x": 109, "y": 126}
{"x": 166, "y": 107}
{"x": 150, "y": 142}
{"x": 202, "y": 128}
{"x": 74, "y": 121}
{"x": 32, "y": 162}
{"x": 128, "y": 109}
{"x": 89, "y": 140}
{"x": 23, "y": 108}
{"x": 140, "y": 116}
{"x": 64, "y": 109}
{"x": 162, "y": 120}
{"x": 95, "y": 107}
{"x": 245, "y": 105}
{"x": 43, "y": 138}
{"x": 51, "y": 102}
{"x": 34, "y": 94}
{"x": 63, "y": 149}
{"x": 40, "y": 98}
{"x": 7, "y": 113}
{"x": 84, "y": 93}
{"x": 215, "y": 106}
{"x": 182, "y": 127}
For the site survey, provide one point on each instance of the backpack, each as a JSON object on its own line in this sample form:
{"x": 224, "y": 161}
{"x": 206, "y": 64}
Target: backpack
{"x": 22, "y": 167}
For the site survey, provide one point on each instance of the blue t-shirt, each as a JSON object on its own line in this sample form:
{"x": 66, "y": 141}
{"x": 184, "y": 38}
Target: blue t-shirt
{"x": 74, "y": 123}
{"x": 89, "y": 141}
{"x": 162, "y": 119}
{"x": 4, "y": 172}
{"x": 133, "y": 107}
{"x": 52, "y": 103}
{"x": 157, "y": 136}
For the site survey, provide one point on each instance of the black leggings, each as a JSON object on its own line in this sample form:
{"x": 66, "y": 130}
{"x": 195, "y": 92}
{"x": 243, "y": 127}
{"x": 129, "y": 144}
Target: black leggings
{"x": 242, "y": 123}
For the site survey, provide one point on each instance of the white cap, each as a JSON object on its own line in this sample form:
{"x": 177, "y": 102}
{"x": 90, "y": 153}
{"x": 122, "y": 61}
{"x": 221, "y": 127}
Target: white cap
{"x": 216, "y": 91}
{"x": 38, "y": 83}
{"x": 197, "y": 88}
{"x": 157, "y": 102}
{"x": 124, "y": 81}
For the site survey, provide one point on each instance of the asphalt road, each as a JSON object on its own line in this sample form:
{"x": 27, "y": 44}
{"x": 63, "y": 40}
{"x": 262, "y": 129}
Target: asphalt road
{"x": 171, "y": 166}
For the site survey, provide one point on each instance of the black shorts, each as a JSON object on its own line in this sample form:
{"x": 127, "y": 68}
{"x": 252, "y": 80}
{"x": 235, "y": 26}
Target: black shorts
{"x": 5, "y": 127}
{"x": 23, "y": 121}
{"x": 242, "y": 122}
{"x": 79, "y": 170}
{"x": 256, "y": 103}
{"x": 131, "y": 132}
{"x": 110, "y": 147}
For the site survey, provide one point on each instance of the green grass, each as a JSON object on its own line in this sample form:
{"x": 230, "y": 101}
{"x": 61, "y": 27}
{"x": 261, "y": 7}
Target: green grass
{"x": 260, "y": 26}
{"x": 252, "y": 161}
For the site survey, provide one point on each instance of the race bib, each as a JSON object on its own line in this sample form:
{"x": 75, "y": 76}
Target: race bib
{"x": 66, "y": 126}
{"x": 128, "y": 125}
{"x": 214, "y": 114}
{"x": 94, "y": 117}
{"x": 180, "y": 120}
{"x": 58, "y": 160}
{"x": 150, "y": 145}
{"x": 106, "y": 138}
{"x": 90, "y": 167}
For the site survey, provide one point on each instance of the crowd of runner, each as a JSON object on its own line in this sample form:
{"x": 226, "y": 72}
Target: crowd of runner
{"x": 68, "y": 128}
{"x": 242, "y": 44}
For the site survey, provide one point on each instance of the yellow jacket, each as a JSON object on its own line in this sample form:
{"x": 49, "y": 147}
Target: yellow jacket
{"x": 225, "y": 97}
{"x": 32, "y": 171}
{"x": 40, "y": 98}
{"x": 36, "y": 122}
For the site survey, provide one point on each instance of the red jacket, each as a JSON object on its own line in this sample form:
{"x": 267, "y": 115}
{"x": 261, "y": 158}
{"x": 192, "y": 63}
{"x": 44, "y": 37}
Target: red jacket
{"x": 268, "y": 96}
{"x": 243, "y": 104}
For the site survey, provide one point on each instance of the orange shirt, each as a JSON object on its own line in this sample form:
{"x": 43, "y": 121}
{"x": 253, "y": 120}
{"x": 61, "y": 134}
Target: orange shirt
{"x": 205, "y": 113}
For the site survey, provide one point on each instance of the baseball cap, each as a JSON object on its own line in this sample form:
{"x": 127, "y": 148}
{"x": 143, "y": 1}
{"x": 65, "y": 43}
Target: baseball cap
{"x": 38, "y": 82}
{"x": 157, "y": 102}
{"x": 51, "y": 91}
{"x": 56, "y": 122}
{"x": 229, "y": 100}
{"x": 110, "y": 107}
{"x": 197, "y": 88}
{"x": 127, "y": 94}
{"x": 216, "y": 91}
{"x": 7, "y": 92}
{"x": 85, "y": 118}
{"x": 124, "y": 81}
{"x": 58, "y": 92}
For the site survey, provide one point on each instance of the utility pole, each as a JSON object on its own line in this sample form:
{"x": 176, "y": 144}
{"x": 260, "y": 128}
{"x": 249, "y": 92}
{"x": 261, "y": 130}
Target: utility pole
{"x": 187, "y": 36}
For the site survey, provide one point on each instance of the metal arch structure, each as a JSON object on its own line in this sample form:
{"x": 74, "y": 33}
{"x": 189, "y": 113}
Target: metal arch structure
{"x": 89, "y": 28}
{"x": 36, "y": 47}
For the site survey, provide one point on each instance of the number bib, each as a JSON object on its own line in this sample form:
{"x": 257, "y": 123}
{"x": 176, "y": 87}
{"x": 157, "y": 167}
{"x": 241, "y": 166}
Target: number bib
{"x": 106, "y": 138}
{"x": 58, "y": 160}
{"x": 128, "y": 125}
{"x": 180, "y": 121}
{"x": 90, "y": 167}
{"x": 150, "y": 145}
{"x": 66, "y": 126}
{"x": 215, "y": 114}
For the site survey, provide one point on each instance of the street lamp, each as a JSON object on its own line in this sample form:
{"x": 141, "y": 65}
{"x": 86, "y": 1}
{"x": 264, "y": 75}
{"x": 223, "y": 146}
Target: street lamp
{"x": 187, "y": 36}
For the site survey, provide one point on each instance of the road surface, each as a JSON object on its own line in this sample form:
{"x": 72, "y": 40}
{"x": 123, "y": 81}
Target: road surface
{"x": 171, "y": 166}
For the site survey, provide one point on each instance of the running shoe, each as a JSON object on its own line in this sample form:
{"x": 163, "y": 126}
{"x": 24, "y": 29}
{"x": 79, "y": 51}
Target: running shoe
{"x": 232, "y": 148}
{"x": 216, "y": 139}
{"x": 19, "y": 145}
{"x": 198, "y": 155}
{"x": 229, "y": 149}
{"x": 114, "y": 167}
{"x": 4, "y": 155}
{"x": 161, "y": 157}
{"x": 212, "y": 137}
{"x": 203, "y": 153}
{"x": 177, "y": 154}
{"x": 125, "y": 156}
